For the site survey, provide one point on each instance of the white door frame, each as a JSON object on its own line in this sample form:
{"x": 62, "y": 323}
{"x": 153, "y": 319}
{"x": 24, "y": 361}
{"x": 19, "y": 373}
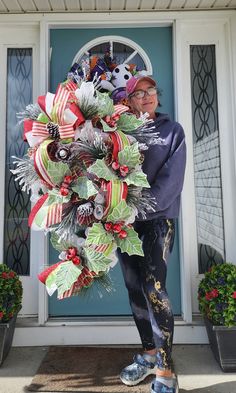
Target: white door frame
{"x": 19, "y": 37}
{"x": 200, "y": 32}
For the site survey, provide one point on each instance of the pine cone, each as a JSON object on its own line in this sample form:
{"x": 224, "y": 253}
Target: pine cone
{"x": 53, "y": 130}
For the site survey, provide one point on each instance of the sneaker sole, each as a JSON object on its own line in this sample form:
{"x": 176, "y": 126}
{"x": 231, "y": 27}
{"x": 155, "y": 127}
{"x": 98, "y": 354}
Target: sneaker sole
{"x": 152, "y": 371}
{"x": 176, "y": 388}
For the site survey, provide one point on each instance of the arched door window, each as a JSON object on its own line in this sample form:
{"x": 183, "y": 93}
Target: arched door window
{"x": 122, "y": 50}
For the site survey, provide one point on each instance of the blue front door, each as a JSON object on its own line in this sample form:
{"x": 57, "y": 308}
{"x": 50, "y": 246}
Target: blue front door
{"x": 157, "y": 43}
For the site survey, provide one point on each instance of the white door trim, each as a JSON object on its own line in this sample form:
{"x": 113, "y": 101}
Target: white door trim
{"x": 217, "y": 33}
{"x": 99, "y": 333}
{"x": 19, "y": 37}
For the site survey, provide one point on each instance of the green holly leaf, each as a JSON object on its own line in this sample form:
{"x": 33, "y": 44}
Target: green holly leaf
{"x": 131, "y": 244}
{"x": 98, "y": 235}
{"x": 84, "y": 188}
{"x": 120, "y": 213}
{"x": 128, "y": 123}
{"x": 137, "y": 178}
{"x": 51, "y": 280}
{"x": 59, "y": 246}
{"x": 66, "y": 274}
{"x": 105, "y": 104}
{"x": 106, "y": 127}
{"x": 96, "y": 261}
{"x": 129, "y": 156}
{"x": 101, "y": 170}
{"x": 57, "y": 171}
{"x": 55, "y": 197}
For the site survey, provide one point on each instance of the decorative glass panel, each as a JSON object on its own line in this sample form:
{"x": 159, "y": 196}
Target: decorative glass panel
{"x": 206, "y": 152}
{"x": 120, "y": 52}
{"x": 17, "y": 203}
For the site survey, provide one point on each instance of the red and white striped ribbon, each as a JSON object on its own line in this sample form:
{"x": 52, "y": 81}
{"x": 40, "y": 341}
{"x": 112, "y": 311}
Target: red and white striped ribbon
{"x": 116, "y": 191}
{"x": 40, "y": 129}
{"x": 66, "y": 131}
{"x": 54, "y": 215}
{"x": 41, "y": 169}
{"x": 102, "y": 247}
{"x": 61, "y": 98}
{"x": 71, "y": 86}
{"x": 56, "y": 102}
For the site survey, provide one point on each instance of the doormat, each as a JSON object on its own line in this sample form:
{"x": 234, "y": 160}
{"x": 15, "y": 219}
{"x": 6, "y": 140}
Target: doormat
{"x": 85, "y": 369}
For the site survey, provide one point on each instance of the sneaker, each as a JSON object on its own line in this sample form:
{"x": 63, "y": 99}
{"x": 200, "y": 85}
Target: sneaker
{"x": 159, "y": 387}
{"x": 137, "y": 371}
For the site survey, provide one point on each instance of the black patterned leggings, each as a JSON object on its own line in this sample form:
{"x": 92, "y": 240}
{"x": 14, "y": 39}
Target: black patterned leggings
{"x": 145, "y": 279}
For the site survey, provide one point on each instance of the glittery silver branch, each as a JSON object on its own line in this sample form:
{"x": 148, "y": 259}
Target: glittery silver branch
{"x": 25, "y": 173}
{"x": 142, "y": 199}
{"x": 97, "y": 148}
{"x": 102, "y": 285}
{"x": 88, "y": 109}
{"x": 67, "y": 227}
{"x": 145, "y": 134}
{"x": 148, "y": 202}
{"x": 32, "y": 111}
{"x": 92, "y": 141}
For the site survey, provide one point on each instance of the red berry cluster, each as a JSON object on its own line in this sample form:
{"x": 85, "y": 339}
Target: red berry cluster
{"x": 72, "y": 255}
{"x": 112, "y": 120}
{"x": 64, "y": 189}
{"x": 116, "y": 228}
{"x": 8, "y": 275}
{"x": 123, "y": 169}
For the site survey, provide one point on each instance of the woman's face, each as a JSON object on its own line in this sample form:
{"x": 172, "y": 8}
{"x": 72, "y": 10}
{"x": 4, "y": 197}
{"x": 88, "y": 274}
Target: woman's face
{"x": 146, "y": 104}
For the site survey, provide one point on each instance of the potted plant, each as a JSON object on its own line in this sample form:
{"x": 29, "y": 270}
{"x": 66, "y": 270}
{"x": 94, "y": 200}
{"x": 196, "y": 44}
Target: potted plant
{"x": 217, "y": 303}
{"x": 10, "y": 304}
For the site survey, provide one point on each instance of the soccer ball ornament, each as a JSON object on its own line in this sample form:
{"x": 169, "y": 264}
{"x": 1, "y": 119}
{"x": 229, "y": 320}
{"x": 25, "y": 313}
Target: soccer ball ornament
{"x": 83, "y": 169}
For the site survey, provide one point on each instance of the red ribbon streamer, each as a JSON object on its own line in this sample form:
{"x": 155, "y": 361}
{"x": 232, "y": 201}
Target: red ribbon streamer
{"x": 36, "y": 208}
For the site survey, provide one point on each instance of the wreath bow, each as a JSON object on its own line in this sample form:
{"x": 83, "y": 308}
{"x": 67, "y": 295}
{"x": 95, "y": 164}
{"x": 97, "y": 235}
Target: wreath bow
{"x": 59, "y": 119}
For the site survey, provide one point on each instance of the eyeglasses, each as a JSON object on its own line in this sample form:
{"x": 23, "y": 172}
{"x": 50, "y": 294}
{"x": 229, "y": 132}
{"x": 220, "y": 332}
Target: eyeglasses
{"x": 151, "y": 91}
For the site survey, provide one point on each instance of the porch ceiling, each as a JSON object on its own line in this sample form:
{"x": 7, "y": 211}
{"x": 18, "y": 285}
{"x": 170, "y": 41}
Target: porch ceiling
{"x": 38, "y": 6}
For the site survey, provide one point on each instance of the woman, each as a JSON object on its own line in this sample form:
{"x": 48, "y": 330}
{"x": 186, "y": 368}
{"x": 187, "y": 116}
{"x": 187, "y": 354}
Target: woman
{"x": 145, "y": 277}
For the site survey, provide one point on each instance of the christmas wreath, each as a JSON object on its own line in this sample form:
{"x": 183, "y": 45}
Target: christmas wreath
{"x": 83, "y": 169}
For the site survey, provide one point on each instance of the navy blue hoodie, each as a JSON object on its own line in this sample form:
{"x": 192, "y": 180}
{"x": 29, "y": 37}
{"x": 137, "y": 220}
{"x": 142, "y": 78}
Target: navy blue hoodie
{"x": 164, "y": 165}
